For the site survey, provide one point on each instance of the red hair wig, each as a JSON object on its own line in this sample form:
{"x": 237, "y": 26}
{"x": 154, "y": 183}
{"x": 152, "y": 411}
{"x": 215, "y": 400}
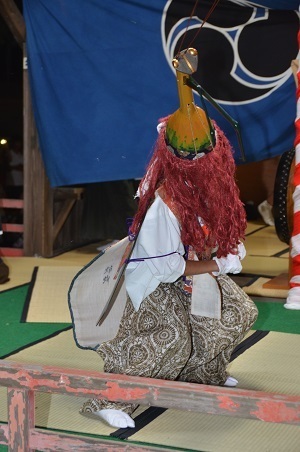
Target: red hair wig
{"x": 203, "y": 188}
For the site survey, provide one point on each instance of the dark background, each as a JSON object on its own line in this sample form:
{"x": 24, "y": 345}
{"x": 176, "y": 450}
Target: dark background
{"x": 11, "y": 84}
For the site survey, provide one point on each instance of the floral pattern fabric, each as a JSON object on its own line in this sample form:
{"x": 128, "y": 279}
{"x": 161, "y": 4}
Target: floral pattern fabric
{"x": 164, "y": 340}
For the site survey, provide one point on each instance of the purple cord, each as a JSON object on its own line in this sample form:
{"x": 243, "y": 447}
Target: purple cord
{"x": 141, "y": 259}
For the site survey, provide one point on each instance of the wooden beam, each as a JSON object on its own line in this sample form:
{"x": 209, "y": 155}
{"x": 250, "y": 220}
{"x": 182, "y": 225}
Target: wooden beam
{"x": 45, "y": 440}
{"x": 12, "y": 227}
{"x": 241, "y": 403}
{"x": 62, "y": 217}
{"x": 22, "y": 380}
{"x": 69, "y": 196}
{"x": 11, "y": 252}
{"x": 14, "y": 20}
{"x": 6, "y": 203}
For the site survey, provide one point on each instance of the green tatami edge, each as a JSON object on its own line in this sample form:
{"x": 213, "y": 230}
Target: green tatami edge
{"x": 272, "y": 316}
{"x": 14, "y": 333}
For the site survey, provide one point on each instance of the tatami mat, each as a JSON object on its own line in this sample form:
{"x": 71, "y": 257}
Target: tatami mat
{"x": 285, "y": 255}
{"x": 59, "y": 351}
{"x": 49, "y": 294}
{"x": 256, "y": 288}
{"x": 21, "y": 268}
{"x": 271, "y": 365}
{"x": 211, "y": 433}
{"x": 254, "y": 226}
{"x": 265, "y": 242}
{"x": 258, "y": 368}
{"x": 260, "y": 265}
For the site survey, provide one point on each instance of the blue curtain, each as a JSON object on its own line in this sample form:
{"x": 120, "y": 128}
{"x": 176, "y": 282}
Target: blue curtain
{"x": 101, "y": 78}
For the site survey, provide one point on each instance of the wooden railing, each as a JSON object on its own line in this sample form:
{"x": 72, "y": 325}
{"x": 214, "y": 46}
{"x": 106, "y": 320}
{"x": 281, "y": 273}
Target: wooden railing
{"x": 12, "y": 227}
{"x": 22, "y": 381}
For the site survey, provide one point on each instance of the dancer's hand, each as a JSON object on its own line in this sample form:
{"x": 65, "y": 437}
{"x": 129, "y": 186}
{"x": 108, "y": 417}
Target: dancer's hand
{"x": 229, "y": 264}
{"x": 241, "y": 250}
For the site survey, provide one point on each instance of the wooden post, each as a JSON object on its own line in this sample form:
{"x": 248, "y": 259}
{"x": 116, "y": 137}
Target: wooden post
{"x": 20, "y": 419}
{"x": 38, "y": 196}
{"x": 13, "y": 19}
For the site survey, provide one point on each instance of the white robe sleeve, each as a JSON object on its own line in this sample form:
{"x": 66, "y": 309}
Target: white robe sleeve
{"x": 158, "y": 238}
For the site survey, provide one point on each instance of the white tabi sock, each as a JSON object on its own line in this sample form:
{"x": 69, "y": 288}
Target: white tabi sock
{"x": 115, "y": 418}
{"x": 231, "y": 381}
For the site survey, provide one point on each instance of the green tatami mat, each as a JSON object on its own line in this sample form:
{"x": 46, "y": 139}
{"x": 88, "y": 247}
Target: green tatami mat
{"x": 274, "y": 317}
{"x": 15, "y": 335}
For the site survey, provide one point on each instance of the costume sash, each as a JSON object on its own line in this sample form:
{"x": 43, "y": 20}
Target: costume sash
{"x": 206, "y": 296}
{"x": 204, "y": 289}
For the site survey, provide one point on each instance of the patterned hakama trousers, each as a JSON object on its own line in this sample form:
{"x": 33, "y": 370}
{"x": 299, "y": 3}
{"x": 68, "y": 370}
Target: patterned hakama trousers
{"x": 164, "y": 340}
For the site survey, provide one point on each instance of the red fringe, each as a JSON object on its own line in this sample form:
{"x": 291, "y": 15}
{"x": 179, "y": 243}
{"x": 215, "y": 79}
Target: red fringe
{"x": 204, "y": 188}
